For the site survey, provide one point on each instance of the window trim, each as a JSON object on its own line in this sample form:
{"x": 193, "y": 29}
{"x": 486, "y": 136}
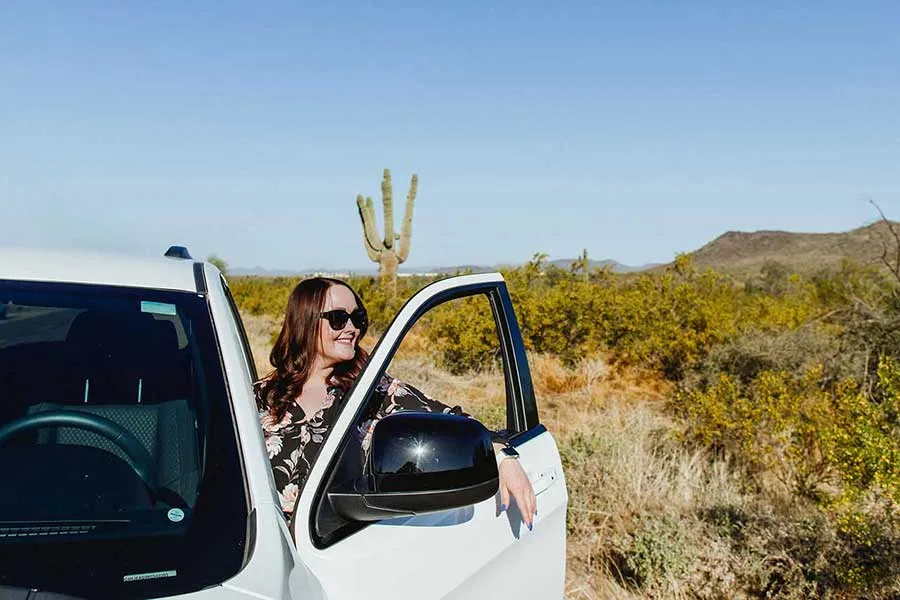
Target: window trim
{"x": 242, "y": 333}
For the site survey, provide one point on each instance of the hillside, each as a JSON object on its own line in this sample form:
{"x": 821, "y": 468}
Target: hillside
{"x": 744, "y": 253}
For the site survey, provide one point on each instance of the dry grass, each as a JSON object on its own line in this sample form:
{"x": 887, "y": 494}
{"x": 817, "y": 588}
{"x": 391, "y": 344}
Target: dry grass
{"x": 629, "y": 479}
{"x": 648, "y": 517}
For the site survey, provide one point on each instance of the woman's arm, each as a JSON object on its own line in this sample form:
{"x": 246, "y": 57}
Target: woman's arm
{"x": 398, "y": 395}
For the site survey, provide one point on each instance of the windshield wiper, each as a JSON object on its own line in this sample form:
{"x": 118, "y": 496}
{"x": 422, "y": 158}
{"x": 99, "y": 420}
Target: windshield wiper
{"x": 44, "y": 529}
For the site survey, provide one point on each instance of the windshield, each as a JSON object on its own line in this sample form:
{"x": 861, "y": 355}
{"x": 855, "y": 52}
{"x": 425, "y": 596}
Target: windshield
{"x": 118, "y": 454}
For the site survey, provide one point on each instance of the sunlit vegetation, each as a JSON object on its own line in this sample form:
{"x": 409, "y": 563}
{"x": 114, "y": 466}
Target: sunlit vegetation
{"x": 722, "y": 438}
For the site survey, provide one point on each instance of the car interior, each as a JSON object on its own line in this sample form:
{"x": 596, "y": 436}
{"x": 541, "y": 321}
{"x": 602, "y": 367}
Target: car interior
{"x": 125, "y": 367}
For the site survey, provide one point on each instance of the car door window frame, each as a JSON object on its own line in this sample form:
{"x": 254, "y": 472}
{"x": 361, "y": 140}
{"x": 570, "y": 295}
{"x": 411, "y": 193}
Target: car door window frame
{"x": 242, "y": 333}
{"x": 522, "y": 416}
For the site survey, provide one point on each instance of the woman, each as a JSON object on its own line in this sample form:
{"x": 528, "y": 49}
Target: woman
{"x": 316, "y": 358}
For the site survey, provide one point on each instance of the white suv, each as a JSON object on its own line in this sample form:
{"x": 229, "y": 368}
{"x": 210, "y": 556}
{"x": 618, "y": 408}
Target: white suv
{"x": 133, "y": 464}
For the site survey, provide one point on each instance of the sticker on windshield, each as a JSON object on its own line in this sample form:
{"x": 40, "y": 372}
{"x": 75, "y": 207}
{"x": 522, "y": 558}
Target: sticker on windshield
{"x": 175, "y": 515}
{"x": 158, "y": 308}
{"x": 146, "y": 576}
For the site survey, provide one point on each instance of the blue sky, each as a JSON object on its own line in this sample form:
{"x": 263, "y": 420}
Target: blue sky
{"x": 635, "y": 130}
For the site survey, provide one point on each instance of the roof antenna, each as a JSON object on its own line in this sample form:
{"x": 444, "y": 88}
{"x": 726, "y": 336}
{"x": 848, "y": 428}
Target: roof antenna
{"x": 179, "y": 252}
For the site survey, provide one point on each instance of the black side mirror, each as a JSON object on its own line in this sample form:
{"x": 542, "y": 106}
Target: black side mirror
{"x": 420, "y": 463}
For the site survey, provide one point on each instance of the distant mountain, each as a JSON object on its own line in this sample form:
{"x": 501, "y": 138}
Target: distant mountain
{"x": 736, "y": 252}
{"x": 443, "y": 270}
{"x": 261, "y": 271}
{"x": 614, "y": 266}
{"x": 264, "y": 272}
{"x": 562, "y": 263}
{"x": 744, "y": 253}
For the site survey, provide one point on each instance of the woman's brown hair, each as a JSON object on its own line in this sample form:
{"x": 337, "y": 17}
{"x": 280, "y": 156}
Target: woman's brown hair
{"x": 295, "y": 349}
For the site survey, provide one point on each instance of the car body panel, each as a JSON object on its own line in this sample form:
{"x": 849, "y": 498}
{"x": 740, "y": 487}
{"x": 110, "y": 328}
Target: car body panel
{"x": 439, "y": 555}
{"x": 90, "y": 268}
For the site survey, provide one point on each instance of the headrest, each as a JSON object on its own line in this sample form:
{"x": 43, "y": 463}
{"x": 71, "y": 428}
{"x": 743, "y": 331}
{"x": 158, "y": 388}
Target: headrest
{"x": 121, "y": 338}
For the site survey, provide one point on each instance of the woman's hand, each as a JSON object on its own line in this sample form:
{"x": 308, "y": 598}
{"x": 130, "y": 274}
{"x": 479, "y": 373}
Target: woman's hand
{"x": 514, "y": 483}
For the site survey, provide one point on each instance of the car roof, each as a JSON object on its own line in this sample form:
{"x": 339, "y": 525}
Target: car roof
{"x": 97, "y": 268}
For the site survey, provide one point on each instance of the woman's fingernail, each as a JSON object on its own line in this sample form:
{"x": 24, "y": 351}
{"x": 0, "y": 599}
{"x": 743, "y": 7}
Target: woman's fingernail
{"x": 531, "y": 527}
{"x": 502, "y": 508}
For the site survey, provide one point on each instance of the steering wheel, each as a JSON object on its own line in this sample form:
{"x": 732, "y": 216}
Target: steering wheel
{"x": 140, "y": 460}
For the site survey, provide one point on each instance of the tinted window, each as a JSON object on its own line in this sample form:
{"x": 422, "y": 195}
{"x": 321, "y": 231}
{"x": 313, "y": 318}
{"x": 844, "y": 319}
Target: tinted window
{"x": 117, "y": 446}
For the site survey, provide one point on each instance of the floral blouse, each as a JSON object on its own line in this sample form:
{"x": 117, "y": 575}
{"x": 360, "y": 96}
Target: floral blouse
{"x": 294, "y": 443}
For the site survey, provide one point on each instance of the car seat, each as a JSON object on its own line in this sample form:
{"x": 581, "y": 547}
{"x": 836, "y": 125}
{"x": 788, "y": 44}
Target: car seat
{"x": 135, "y": 375}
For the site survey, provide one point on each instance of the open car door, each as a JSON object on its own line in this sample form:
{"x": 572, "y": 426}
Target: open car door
{"x": 473, "y": 551}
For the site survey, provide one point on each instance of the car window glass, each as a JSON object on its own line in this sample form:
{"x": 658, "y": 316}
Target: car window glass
{"x": 114, "y": 416}
{"x": 452, "y": 355}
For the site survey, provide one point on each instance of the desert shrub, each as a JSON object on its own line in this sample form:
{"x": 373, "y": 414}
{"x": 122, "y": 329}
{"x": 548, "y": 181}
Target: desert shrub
{"x": 862, "y": 440}
{"x": 560, "y": 319}
{"x": 463, "y": 335}
{"x": 659, "y": 553}
{"x": 851, "y": 283}
{"x": 835, "y": 444}
{"x": 797, "y": 552}
{"x": 770, "y": 426}
{"x": 863, "y": 305}
{"x": 670, "y": 321}
{"x": 773, "y": 279}
{"x": 261, "y": 295}
{"x": 666, "y": 322}
{"x": 794, "y": 350}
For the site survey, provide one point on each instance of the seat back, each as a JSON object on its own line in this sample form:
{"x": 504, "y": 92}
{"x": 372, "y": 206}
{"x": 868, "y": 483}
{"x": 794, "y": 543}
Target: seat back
{"x": 128, "y": 358}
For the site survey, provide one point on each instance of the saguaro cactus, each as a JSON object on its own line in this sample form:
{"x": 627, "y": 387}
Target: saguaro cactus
{"x": 582, "y": 266}
{"x": 384, "y": 251}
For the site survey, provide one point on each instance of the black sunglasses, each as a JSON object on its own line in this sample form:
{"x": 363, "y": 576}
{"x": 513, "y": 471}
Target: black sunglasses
{"x": 338, "y": 318}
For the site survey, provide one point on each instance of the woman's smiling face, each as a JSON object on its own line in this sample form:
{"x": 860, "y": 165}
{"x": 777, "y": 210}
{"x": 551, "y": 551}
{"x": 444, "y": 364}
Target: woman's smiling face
{"x": 338, "y": 346}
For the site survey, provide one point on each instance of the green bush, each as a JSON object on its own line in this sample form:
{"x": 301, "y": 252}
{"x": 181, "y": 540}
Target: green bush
{"x": 794, "y": 381}
{"x": 668, "y": 322}
{"x": 658, "y": 554}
